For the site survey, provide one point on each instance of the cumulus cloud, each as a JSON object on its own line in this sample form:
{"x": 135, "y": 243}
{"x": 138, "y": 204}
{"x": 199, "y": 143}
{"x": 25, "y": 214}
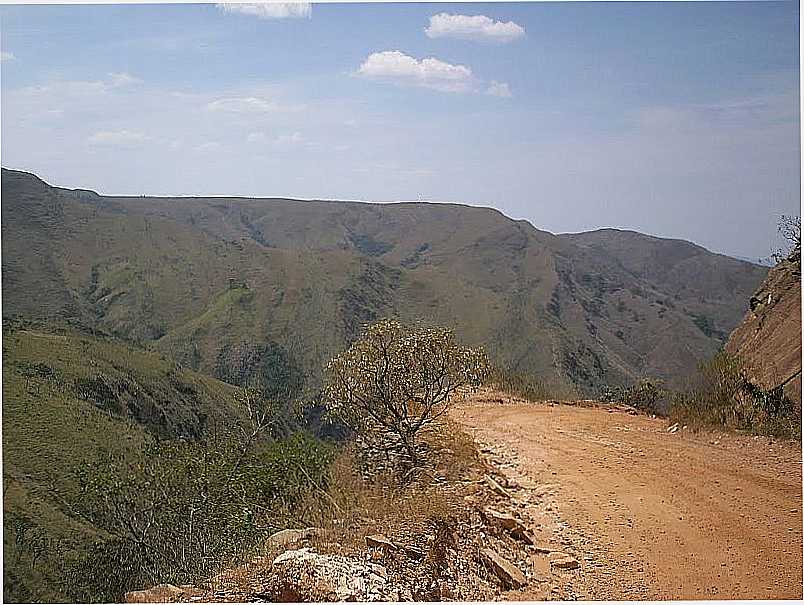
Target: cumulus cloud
{"x": 498, "y": 89}
{"x": 123, "y": 78}
{"x": 399, "y": 68}
{"x": 269, "y": 10}
{"x": 475, "y": 27}
{"x": 242, "y": 105}
{"x": 6, "y": 56}
{"x": 117, "y": 138}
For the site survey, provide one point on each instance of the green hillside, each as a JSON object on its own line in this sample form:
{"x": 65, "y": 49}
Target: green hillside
{"x": 189, "y": 277}
{"x": 71, "y": 400}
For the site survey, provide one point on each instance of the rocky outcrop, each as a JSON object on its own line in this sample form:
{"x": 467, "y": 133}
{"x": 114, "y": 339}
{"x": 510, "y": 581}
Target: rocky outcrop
{"x": 305, "y": 575}
{"x": 768, "y": 341}
{"x": 163, "y": 593}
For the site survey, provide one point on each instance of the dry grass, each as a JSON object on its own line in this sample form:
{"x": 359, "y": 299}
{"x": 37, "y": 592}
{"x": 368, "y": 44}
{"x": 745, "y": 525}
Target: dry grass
{"x": 428, "y": 514}
{"x": 356, "y": 506}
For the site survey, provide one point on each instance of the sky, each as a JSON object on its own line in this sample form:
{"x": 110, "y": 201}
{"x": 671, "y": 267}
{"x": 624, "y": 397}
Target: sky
{"x": 678, "y": 119}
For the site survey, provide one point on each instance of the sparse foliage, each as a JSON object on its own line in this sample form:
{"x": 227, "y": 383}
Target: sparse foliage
{"x": 400, "y": 379}
{"x": 789, "y": 228}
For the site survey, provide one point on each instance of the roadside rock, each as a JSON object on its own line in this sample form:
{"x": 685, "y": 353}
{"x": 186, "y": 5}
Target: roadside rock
{"x": 509, "y": 523}
{"x": 498, "y": 489}
{"x": 286, "y": 537}
{"x": 304, "y": 575}
{"x": 561, "y": 560}
{"x": 163, "y": 593}
{"x": 542, "y": 548}
{"x": 380, "y": 541}
{"x": 508, "y": 573}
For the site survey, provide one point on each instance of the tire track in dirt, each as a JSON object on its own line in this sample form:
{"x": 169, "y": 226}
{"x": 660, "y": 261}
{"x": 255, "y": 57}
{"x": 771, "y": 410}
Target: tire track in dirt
{"x": 654, "y": 515}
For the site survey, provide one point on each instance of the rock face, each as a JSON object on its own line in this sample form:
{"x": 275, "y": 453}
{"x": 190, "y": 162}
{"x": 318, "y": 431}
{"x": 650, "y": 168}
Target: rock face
{"x": 304, "y": 575}
{"x": 768, "y": 340}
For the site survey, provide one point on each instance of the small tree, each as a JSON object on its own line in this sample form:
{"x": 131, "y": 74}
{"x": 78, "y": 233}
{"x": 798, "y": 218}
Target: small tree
{"x": 789, "y": 228}
{"x": 400, "y": 379}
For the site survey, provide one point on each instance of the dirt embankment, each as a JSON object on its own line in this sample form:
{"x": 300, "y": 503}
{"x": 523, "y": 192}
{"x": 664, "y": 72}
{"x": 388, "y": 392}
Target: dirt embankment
{"x": 651, "y": 514}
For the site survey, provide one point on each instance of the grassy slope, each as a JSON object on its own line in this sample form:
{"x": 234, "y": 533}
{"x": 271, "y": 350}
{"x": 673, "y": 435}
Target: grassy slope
{"x": 577, "y": 312}
{"x": 54, "y": 421}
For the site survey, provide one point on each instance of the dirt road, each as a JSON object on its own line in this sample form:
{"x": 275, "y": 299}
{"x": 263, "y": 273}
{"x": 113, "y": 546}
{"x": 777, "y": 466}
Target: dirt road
{"x": 650, "y": 514}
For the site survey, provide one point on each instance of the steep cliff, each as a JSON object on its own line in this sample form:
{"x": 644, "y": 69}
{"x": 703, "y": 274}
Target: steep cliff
{"x": 768, "y": 340}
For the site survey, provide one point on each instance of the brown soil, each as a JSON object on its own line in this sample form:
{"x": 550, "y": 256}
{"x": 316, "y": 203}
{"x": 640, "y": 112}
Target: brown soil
{"x": 650, "y": 514}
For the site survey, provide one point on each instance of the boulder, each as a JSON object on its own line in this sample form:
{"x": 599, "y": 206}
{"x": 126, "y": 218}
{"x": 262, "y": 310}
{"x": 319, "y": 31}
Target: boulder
{"x": 503, "y": 520}
{"x": 163, "y": 593}
{"x": 380, "y": 541}
{"x": 286, "y": 537}
{"x": 508, "y": 573}
{"x": 304, "y": 575}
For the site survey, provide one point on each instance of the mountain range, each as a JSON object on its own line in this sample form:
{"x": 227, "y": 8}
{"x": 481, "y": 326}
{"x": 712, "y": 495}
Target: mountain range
{"x": 233, "y": 286}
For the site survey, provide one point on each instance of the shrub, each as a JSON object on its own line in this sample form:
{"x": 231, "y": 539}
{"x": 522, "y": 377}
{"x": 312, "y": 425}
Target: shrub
{"x": 184, "y": 509}
{"x": 400, "y": 379}
{"x": 647, "y": 395}
{"x": 723, "y": 395}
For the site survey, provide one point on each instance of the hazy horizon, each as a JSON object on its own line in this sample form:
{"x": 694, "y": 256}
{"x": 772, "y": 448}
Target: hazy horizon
{"x": 677, "y": 120}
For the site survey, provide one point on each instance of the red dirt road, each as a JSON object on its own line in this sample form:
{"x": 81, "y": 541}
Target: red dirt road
{"x": 656, "y": 515}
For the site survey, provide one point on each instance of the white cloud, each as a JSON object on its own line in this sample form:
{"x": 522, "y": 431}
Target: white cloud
{"x": 499, "y": 89}
{"x": 123, "y": 78}
{"x": 399, "y": 68}
{"x": 269, "y": 10}
{"x": 7, "y": 56}
{"x": 242, "y": 105}
{"x": 117, "y": 138}
{"x": 476, "y": 27}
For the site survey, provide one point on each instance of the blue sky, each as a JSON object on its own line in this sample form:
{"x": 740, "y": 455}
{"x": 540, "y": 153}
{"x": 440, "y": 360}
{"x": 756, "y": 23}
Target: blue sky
{"x": 677, "y": 119}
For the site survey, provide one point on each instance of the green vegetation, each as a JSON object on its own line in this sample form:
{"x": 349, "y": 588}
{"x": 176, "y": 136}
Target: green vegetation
{"x": 92, "y": 426}
{"x": 721, "y": 395}
{"x": 186, "y": 510}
